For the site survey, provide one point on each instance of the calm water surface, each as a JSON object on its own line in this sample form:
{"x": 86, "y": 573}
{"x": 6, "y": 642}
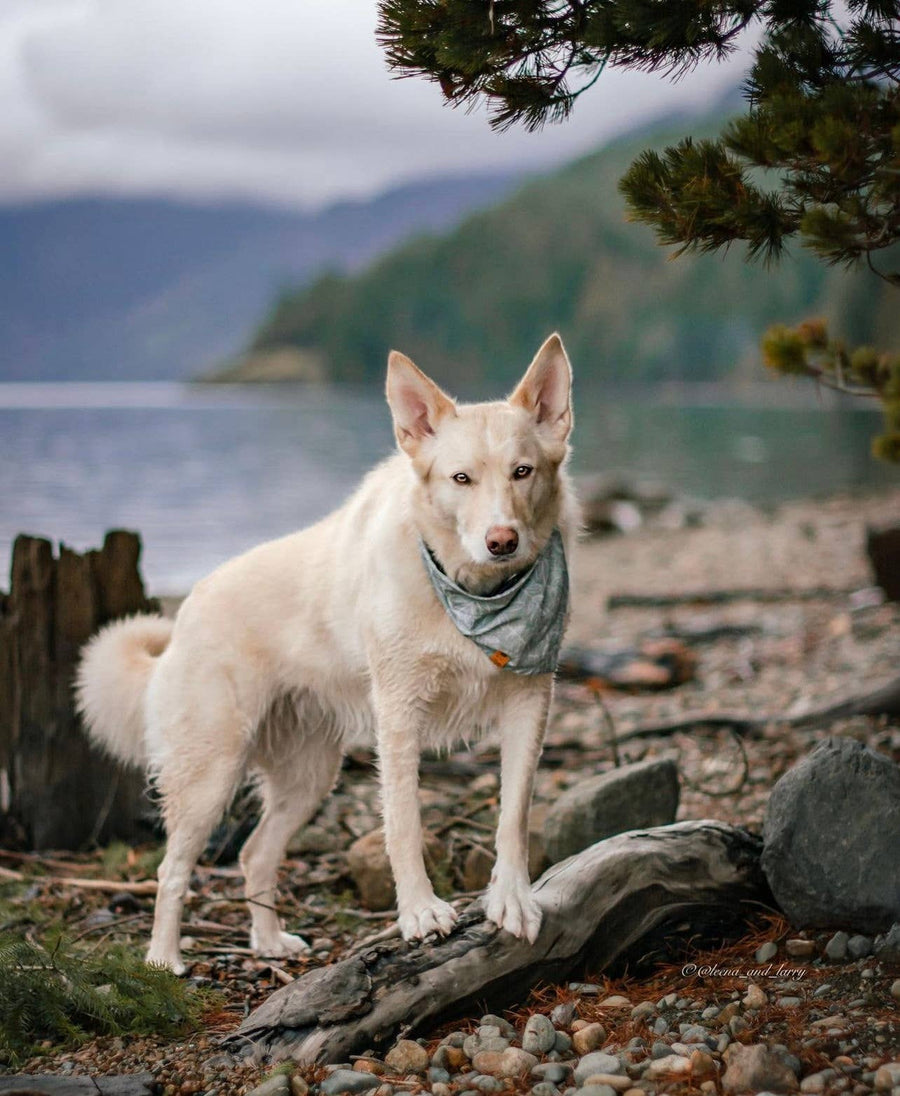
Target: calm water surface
{"x": 205, "y": 473}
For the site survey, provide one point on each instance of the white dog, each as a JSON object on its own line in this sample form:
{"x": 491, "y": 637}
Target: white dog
{"x": 427, "y": 609}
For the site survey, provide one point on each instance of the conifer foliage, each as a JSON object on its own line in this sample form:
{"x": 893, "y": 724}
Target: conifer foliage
{"x": 815, "y": 157}
{"x": 53, "y": 992}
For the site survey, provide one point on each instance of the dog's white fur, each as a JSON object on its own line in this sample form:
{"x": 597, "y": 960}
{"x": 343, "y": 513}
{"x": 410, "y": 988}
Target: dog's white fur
{"x": 331, "y": 636}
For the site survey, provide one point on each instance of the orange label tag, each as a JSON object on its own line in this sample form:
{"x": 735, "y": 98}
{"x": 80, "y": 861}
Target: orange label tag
{"x": 499, "y": 659}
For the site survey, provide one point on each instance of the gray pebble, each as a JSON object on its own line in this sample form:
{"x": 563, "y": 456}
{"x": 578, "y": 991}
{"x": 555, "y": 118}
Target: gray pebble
{"x": 454, "y": 1039}
{"x": 474, "y": 1043}
{"x": 859, "y": 946}
{"x": 348, "y": 1080}
{"x": 545, "y": 1088}
{"x": 693, "y": 1033}
{"x": 469, "y": 1092}
{"x": 539, "y": 1036}
{"x": 440, "y": 1058}
{"x": 660, "y": 1027}
{"x": 489, "y": 1031}
{"x": 440, "y": 1089}
{"x": 660, "y": 1050}
{"x": 438, "y": 1074}
{"x": 586, "y": 989}
{"x": 596, "y": 1062}
{"x": 279, "y": 1085}
{"x": 836, "y": 948}
{"x": 563, "y": 1015}
{"x": 554, "y": 1072}
{"x": 788, "y": 1002}
{"x": 823, "y": 990}
{"x": 710, "y": 1013}
{"x": 596, "y": 1090}
{"x": 506, "y": 1028}
{"x": 668, "y": 1001}
{"x": 643, "y": 1011}
{"x": 487, "y": 1084}
{"x": 562, "y": 1043}
{"x": 766, "y": 951}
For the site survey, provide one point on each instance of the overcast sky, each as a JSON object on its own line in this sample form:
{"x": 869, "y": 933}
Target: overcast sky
{"x": 285, "y": 101}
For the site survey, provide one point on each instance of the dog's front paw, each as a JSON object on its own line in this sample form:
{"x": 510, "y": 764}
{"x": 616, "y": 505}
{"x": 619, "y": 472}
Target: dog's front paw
{"x": 430, "y": 916}
{"x": 511, "y": 905}
{"x": 279, "y": 946}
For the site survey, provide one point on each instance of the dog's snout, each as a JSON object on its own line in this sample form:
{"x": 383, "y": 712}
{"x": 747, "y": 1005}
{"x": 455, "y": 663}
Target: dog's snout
{"x": 501, "y": 540}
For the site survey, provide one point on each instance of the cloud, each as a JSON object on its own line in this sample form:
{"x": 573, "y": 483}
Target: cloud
{"x": 286, "y": 101}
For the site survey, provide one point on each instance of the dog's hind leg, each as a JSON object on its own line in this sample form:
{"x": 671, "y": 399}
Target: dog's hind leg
{"x": 293, "y": 785}
{"x": 195, "y": 791}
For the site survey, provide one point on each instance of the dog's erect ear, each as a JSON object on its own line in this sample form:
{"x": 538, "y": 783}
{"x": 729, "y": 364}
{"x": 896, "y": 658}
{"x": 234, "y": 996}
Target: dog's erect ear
{"x": 416, "y": 402}
{"x": 545, "y": 390}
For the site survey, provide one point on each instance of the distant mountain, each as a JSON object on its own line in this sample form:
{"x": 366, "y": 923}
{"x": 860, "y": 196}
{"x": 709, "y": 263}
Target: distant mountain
{"x": 147, "y": 289}
{"x": 474, "y": 303}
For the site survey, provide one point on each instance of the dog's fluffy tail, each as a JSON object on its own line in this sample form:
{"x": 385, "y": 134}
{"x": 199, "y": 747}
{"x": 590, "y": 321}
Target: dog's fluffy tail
{"x": 112, "y": 680}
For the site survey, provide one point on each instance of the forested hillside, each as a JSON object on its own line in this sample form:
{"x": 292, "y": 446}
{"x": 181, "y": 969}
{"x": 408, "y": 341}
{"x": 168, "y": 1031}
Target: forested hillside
{"x": 559, "y": 254}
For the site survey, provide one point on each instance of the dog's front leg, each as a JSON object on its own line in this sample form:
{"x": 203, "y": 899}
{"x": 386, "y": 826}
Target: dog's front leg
{"x": 509, "y": 901}
{"x": 420, "y": 910}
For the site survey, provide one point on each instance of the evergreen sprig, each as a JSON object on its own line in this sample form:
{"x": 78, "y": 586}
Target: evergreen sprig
{"x": 64, "y": 995}
{"x": 808, "y": 350}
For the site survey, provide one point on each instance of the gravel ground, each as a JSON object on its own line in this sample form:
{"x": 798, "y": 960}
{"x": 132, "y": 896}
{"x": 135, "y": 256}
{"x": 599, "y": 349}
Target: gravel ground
{"x": 826, "y": 1025}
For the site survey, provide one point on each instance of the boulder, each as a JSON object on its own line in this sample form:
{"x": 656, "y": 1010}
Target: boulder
{"x": 370, "y": 868}
{"x": 632, "y": 797}
{"x": 831, "y": 835}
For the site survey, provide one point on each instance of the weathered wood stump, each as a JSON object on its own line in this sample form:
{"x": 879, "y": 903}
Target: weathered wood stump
{"x": 883, "y": 548}
{"x": 614, "y": 903}
{"x": 56, "y": 790}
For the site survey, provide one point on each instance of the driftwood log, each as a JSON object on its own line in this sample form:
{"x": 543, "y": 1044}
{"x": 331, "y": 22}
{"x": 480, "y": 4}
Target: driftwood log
{"x": 610, "y": 905}
{"x": 57, "y": 791}
{"x": 882, "y": 701}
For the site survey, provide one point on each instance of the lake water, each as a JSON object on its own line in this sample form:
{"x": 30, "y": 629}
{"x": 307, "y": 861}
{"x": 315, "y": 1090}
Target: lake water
{"x": 204, "y": 473}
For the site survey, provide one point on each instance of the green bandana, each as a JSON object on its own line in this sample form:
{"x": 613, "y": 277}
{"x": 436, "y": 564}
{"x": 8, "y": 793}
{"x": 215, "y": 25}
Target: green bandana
{"x": 521, "y": 626}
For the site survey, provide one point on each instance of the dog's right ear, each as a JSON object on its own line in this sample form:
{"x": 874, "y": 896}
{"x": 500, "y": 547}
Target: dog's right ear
{"x": 416, "y": 402}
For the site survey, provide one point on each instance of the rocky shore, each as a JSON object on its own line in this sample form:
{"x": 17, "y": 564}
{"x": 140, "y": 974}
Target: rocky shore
{"x": 780, "y": 1010}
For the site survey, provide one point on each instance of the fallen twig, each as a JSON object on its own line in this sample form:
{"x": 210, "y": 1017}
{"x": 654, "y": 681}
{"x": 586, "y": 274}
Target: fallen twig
{"x": 107, "y": 886}
{"x": 721, "y": 597}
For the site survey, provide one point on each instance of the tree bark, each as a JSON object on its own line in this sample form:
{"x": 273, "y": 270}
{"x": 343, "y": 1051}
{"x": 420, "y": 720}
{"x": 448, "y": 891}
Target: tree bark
{"x": 615, "y": 903}
{"x": 56, "y": 790}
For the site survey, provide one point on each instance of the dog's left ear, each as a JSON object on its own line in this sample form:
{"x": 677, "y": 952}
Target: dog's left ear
{"x": 546, "y": 389}
{"x": 416, "y": 402}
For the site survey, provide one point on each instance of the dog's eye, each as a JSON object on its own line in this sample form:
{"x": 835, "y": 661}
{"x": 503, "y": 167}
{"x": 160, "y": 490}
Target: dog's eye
{"x": 460, "y": 477}
{"x": 523, "y": 471}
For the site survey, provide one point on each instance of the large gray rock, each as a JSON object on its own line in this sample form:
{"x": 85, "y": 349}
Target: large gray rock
{"x": 632, "y": 797}
{"x": 832, "y": 839}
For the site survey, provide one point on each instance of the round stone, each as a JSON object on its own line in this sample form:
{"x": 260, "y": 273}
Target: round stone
{"x": 539, "y": 1036}
{"x": 405, "y": 1056}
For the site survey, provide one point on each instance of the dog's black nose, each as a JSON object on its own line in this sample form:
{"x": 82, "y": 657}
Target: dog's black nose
{"x": 501, "y": 540}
